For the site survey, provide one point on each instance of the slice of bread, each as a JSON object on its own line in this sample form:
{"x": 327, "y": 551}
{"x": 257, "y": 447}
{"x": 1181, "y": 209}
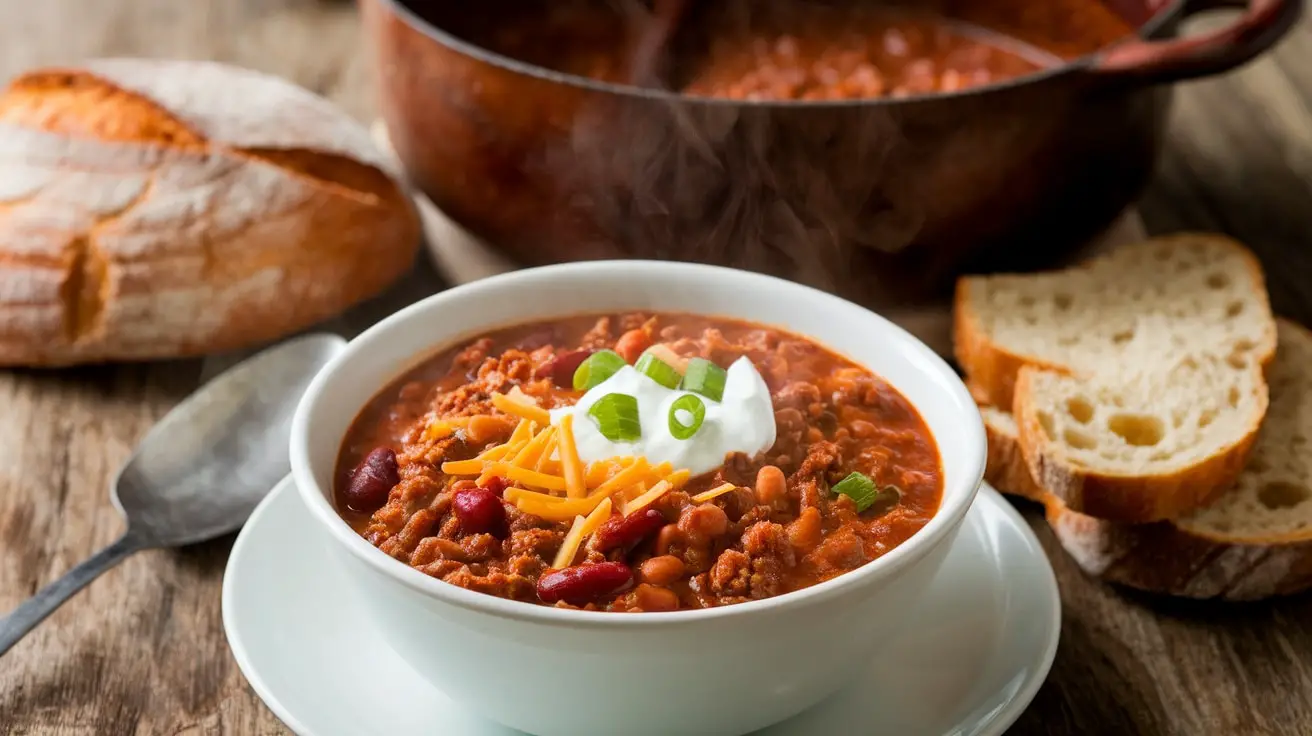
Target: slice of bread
{"x": 1006, "y": 470}
{"x": 1143, "y": 304}
{"x": 1141, "y": 445}
{"x": 1254, "y": 541}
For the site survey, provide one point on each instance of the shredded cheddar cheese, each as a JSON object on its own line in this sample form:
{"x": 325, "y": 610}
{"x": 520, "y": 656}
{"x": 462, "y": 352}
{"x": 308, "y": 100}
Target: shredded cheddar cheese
{"x": 521, "y": 409}
{"x": 515, "y": 495}
{"x": 715, "y": 492}
{"x": 598, "y": 517}
{"x": 438, "y": 431}
{"x": 557, "y": 510}
{"x": 598, "y": 473}
{"x": 528, "y": 457}
{"x": 442, "y": 428}
{"x": 526, "y": 476}
{"x": 464, "y": 467}
{"x": 646, "y": 499}
{"x": 635, "y": 490}
{"x": 569, "y": 459}
{"x": 554, "y": 508}
{"x": 678, "y": 478}
{"x": 570, "y": 546}
{"x": 494, "y": 453}
{"x": 523, "y": 431}
{"x": 546, "y": 463}
{"x": 516, "y": 393}
{"x": 623, "y": 479}
{"x": 545, "y": 458}
{"x": 582, "y": 529}
{"x": 659, "y": 472}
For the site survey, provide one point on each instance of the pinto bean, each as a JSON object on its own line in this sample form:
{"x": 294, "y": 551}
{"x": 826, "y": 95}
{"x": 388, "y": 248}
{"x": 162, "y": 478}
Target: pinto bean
{"x": 704, "y": 521}
{"x": 661, "y": 570}
{"x": 654, "y": 599}
{"x": 372, "y": 480}
{"x": 669, "y": 536}
{"x": 627, "y": 532}
{"x": 805, "y": 531}
{"x": 582, "y": 583}
{"x": 771, "y": 486}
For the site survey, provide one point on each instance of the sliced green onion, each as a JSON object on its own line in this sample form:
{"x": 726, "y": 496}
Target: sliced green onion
{"x": 596, "y": 368}
{"x": 705, "y": 378}
{"x": 859, "y": 488}
{"x": 658, "y": 370}
{"x": 693, "y": 406}
{"x": 617, "y": 417}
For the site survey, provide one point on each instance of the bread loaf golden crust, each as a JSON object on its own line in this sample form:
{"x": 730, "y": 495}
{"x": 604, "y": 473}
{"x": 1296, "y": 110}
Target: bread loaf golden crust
{"x": 155, "y": 209}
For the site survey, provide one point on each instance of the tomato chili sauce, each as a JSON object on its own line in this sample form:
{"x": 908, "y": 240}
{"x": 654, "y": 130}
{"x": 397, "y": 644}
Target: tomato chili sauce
{"x": 795, "y": 50}
{"x": 857, "y": 53}
{"x": 852, "y": 473}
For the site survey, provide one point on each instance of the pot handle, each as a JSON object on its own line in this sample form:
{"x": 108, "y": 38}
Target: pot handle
{"x": 1263, "y": 23}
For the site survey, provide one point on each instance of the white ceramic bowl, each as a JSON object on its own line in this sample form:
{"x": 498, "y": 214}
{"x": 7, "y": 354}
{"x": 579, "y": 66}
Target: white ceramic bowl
{"x": 555, "y": 672}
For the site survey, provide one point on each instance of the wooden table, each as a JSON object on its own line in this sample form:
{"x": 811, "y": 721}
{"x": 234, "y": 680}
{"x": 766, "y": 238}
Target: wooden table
{"x": 142, "y": 650}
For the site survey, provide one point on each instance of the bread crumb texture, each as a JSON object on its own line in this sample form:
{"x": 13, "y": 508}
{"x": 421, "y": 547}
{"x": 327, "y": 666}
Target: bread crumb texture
{"x": 1272, "y": 498}
{"x": 1142, "y": 305}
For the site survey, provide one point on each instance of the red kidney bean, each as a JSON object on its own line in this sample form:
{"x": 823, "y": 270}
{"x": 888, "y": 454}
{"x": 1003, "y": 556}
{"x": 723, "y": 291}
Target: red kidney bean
{"x": 625, "y": 532}
{"x": 372, "y": 480}
{"x": 480, "y": 512}
{"x": 560, "y": 369}
{"x": 582, "y": 583}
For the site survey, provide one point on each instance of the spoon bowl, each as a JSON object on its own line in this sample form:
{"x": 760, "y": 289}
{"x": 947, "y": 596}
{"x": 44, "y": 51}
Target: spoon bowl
{"x": 204, "y": 467}
{"x": 202, "y": 470}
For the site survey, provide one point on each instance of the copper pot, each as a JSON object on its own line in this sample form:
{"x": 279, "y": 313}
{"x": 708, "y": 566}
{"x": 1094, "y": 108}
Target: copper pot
{"x": 883, "y": 201}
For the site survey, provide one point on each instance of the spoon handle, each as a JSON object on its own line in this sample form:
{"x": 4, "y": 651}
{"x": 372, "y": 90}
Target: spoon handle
{"x": 33, "y": 611}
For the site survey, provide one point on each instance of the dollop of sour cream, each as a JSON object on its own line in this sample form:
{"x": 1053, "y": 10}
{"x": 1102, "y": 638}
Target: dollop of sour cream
{"x": 742, "y": 421}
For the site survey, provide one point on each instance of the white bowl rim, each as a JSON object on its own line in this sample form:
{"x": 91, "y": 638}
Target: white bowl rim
{"x": 955, "y": 502}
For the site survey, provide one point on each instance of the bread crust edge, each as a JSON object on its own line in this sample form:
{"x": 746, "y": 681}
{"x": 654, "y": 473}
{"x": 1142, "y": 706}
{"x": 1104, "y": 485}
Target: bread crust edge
{"x": 1129, "y": 498}
{"x": 1163, "y": 558}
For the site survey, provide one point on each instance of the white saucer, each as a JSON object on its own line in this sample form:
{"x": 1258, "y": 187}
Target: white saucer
{"x": 987, "y": 636}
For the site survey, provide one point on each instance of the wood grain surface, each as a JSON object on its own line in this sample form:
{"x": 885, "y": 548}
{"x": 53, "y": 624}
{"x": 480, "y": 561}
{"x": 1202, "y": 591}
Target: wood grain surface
{"x": 142, "y": 650}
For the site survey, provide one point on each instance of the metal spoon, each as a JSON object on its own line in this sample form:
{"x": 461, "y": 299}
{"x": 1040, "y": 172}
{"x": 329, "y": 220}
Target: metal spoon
{"x": 201, "y": 471}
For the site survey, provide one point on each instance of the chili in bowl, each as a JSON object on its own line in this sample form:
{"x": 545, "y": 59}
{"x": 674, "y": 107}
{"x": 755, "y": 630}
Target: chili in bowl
{"x": 571, "y": 501}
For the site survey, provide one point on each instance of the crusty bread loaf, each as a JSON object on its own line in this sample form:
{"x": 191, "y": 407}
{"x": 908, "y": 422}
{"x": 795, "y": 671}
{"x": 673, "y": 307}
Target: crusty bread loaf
{"x": 165, "y": 208}
{"x": 1142, "y": 304}
{"x": 1144, "y": 444}
{"x": 1006, "y": 470}
{"x": 1253, "y": 541}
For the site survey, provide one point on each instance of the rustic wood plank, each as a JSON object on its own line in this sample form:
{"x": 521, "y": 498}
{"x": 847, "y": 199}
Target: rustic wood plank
{"x": 142, "y": 651}
{"x": 1239, "y": 161}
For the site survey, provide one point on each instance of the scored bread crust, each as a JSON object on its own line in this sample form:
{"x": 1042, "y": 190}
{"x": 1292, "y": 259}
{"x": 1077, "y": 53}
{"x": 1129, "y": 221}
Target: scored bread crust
{"x": 1123, "y": 496}
{"x": 1162, "y": 557}
{"x": 994, "y": 369}
{"x": 155, "y": 209}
